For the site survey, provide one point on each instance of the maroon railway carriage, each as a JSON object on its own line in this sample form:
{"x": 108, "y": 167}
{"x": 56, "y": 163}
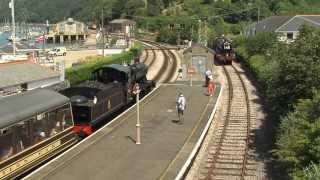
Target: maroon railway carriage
{"x": 34, "y": 126}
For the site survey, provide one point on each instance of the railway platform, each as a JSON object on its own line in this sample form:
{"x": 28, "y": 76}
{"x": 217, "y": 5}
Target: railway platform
{"x": 111, "y": 152}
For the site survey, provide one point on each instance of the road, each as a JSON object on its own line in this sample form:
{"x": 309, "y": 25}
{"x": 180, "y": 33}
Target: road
{"x": 76, "y": 56}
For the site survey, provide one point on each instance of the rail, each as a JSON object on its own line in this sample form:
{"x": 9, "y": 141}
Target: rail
{"x": 229, "y": 158}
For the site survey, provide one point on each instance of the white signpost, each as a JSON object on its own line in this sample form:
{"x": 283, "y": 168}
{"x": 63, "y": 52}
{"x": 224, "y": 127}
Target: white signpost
{"x": 191, "y": 71}
{"x": 136, "y": 91}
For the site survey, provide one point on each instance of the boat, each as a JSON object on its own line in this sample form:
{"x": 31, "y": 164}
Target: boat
{"x": 6, "y": 28}
{"x": 17, "y": 39}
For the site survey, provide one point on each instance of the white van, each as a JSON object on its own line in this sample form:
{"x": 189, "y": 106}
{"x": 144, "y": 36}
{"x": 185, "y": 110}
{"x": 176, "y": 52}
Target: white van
{"x": 58, "y": 51}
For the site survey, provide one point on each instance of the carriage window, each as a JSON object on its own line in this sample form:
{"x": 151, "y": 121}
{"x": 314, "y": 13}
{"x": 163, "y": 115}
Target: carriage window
{"x": 59, "y": 120}
{"x": 22, "y": 135}
{"x": 40, "y": 128}
{"x": 6, "y": 145}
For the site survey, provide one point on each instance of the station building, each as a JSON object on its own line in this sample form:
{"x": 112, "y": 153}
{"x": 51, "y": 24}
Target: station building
{"x": 198, "y": 57}
{"x": 21, "y": 76}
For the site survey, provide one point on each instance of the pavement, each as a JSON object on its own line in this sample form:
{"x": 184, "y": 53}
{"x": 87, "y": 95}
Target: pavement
{"x": 76, "y": 57}
{"x": 111, "y": 153}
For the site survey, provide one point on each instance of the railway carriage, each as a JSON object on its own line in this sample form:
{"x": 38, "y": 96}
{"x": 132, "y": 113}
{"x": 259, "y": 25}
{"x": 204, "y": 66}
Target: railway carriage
{"x": 34, "y": 126}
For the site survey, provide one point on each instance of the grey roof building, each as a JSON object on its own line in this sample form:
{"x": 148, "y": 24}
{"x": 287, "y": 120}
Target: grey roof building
{"x": 286, "y": 26}
{"x": 198, "y": 57}
{"x": 122, "y": 27}
{"x": 16, "y": 77}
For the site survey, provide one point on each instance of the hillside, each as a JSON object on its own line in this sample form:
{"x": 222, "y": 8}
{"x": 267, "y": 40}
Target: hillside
{"x": 232, "y": 11}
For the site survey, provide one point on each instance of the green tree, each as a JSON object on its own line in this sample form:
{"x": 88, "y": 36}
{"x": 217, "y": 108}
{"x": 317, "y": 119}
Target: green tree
{"x": 299, "y": 140}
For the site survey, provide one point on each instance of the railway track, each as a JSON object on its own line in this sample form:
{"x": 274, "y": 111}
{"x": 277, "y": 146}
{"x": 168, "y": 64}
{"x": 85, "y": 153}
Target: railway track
{"x": 228, "y": 155}
{"x": 146, "y": 57}
{"x": 169, "y": 66}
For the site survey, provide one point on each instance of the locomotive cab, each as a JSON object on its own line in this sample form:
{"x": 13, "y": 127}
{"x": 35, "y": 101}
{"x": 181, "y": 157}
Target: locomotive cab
{"x": 92, "y": 102}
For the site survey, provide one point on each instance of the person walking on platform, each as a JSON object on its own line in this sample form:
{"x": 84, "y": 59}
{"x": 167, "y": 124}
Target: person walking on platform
{"x": 210, "y": 87}
{"x": 181, "y": 106}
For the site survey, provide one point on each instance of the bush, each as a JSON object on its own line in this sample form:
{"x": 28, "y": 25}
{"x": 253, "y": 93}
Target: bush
{"x": 312, "y": 172}
{"x": 82, "y": 72}
{"x": 257, "y": 62}
{"x": 299, "y": 140}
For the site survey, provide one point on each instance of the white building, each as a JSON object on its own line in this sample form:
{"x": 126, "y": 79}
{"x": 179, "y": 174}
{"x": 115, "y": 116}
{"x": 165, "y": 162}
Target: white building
{"x": 287, "y": 27}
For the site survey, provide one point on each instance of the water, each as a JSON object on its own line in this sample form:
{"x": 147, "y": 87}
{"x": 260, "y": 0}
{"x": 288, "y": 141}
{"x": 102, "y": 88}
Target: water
{"x": 34, "y": 32}
{"x": 3, "y": 39}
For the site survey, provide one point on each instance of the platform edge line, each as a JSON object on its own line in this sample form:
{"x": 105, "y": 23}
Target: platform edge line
{"x": 197, "y": 147}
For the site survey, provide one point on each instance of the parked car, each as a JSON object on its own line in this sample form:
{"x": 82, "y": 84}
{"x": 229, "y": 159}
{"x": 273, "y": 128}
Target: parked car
{"x": 58, "y": 51}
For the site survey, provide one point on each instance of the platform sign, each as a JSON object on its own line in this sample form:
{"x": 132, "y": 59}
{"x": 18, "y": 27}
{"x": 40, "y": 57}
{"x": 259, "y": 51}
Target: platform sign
{"x": 191, "y": 70}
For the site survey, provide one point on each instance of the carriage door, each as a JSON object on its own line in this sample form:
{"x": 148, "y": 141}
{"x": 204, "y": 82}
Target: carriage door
{"x": 199, "y": 62}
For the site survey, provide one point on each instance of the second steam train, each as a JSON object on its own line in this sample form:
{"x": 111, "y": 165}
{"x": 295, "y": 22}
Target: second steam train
{"x": 110, "y": 90}
{"x": 224, "y": 50}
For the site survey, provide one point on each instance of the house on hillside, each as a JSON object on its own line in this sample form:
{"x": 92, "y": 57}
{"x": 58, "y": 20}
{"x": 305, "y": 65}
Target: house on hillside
{"x": 287, "y": 27}
{"x": 122, "y": 27}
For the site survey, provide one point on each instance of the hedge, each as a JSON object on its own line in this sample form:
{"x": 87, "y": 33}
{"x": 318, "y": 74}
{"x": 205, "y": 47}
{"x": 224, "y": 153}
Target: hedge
{"x": 82, "y": 72}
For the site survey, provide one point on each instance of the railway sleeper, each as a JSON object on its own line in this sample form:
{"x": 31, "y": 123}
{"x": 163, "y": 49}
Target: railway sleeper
{"x": 226, "y": 145}
{"x": 233, "y": 143}
{"x": 227, "y": 171}
{"x": 232, "y": 153}
{"x": 228, "y": 148}
{"x": 228, "y": 165}
{"x": 236, "y": 135}
{"x": 242, "y": 125}
{"x": 223, "y": 157}
{"x": 233, "y": 129}
{"x": 224, "y": 177}
{"x": 234, "y": 138}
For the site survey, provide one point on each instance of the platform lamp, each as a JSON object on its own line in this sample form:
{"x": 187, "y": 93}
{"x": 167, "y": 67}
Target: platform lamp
{"x": 136, "y": 91}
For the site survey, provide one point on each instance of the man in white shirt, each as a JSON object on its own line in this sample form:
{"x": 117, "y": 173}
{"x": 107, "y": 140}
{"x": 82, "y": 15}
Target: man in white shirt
{"x": 208, "y": 74}
{"x": 181, "y": 106}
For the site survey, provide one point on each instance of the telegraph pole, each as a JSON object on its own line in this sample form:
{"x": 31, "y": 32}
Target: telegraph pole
{"x": 11, "y": 5}
{"x": 199, "y": 31}
{"x": 102, "y": 24}
{"x": 258, "y": 14}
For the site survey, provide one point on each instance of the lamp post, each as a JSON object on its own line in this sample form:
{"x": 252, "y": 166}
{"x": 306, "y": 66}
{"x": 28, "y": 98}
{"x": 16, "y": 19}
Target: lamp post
{"x": 136, "y": 90}
{"x": 102, "y": 24}
{"x": 13, "y": 36}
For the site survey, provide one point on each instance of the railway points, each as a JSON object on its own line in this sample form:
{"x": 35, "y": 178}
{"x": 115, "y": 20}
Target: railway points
{"x": 111, "y": 152}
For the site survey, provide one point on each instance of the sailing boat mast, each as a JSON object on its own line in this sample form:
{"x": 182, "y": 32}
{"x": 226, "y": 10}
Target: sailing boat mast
{"x": 11, "y": 5}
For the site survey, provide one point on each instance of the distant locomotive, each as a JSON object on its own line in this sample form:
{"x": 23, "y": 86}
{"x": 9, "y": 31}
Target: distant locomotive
{"x": 224, "y": 50}
{"x": 110, "y": 90}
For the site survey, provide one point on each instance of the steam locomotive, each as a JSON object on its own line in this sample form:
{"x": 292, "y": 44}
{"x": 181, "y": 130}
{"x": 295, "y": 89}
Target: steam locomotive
{"x": 223, "y": 49}
{"x": 110, "y": 90}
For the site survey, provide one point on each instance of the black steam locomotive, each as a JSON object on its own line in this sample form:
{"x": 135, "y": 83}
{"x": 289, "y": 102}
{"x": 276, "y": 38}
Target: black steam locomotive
{"x": 110, "y": 90}
{"x": 223, "y": 49}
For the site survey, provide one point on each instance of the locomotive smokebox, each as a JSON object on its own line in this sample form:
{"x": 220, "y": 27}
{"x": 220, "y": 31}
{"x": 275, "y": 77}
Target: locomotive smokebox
{"x": 138, "y": 71}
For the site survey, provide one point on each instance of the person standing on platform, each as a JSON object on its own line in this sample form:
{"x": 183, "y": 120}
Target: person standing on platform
{"x": 210, "y": 87}
{"x": 181, "y": 106}
{"x": 207, "y": 74}
{"x": 180, "y": 73}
